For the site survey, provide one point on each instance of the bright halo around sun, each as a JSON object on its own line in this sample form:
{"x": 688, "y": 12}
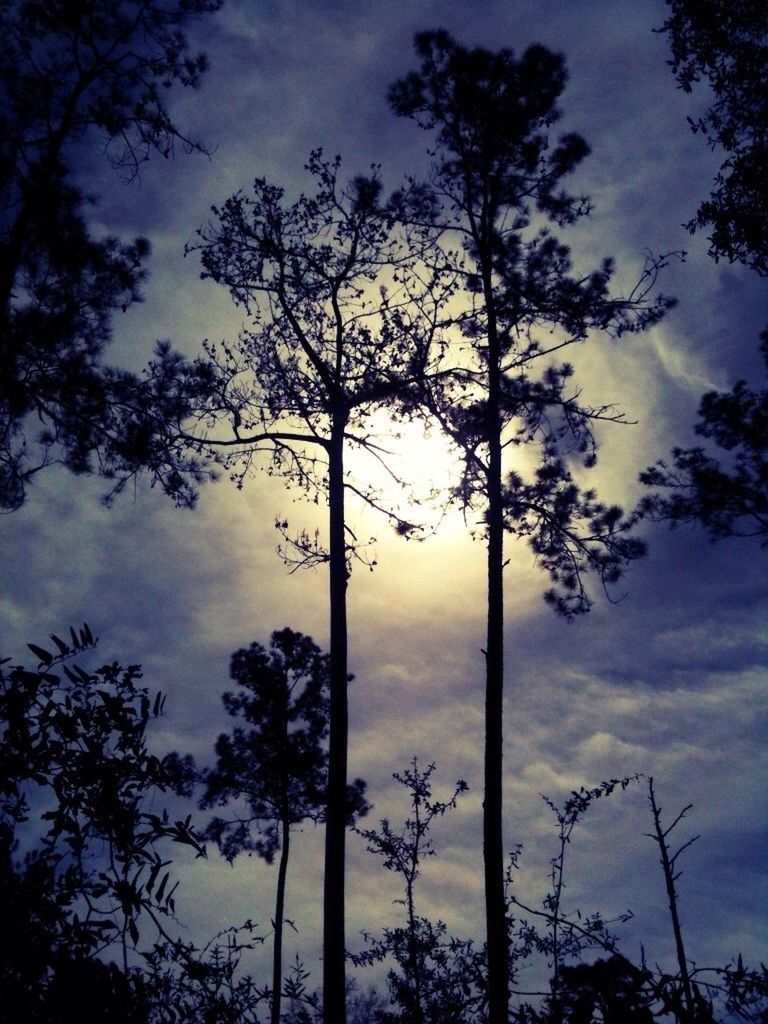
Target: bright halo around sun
{"x": 410, "y": 470}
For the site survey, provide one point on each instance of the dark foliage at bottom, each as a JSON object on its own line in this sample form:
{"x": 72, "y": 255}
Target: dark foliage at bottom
{"x": 86, "y": 869}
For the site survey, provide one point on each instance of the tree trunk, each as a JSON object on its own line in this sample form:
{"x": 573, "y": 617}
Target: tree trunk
{"x": 45, "y": 173}
{"x": 493, "y": 842}
{"x": 277, "y": 949}
{"x": 10, "y": 259}
{"x": 413, "y": 951}
{"x": 334, "y": 1010}
{"x": 668, "y": 866}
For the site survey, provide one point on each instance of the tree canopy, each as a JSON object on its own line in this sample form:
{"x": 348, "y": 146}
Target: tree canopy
{"x": 726, "y": 45}
{"x": 278, "y": 765}
{"x": 76, "y": 79}
{"x": 278, "y": 768}
{"x": 490, "y": 378}
{"x": 328, "y": 341}
{"x": 83, "y": 841}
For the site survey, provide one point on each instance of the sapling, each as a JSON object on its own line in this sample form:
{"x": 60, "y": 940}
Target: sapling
{"x": 278, "y": 766}
{"x": 438, "y": 979}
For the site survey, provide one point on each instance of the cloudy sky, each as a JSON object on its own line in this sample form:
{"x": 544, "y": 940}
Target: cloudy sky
{"x": 670, "y": 681}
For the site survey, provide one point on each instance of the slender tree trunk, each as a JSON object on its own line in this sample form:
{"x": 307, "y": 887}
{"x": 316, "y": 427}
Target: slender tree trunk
{"x": 334, "y": 1008}
{"x": 493, "y": 842}
{"x": 13, "y": 251}
{"x": 10, "y": 260}
{"x": 277, "y": 949}
{"x": 668, "y": 866}
{"x": 413, "y": 953}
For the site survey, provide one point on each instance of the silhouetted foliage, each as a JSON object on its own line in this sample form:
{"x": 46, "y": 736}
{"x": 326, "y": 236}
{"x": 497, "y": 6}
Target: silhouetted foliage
{"x": 690, "y": 1004}
{"x": 278, "y": 766}
{"x": 331, "y": 338}
{"x": 727, "y": 494}
{"x": 612, "y": 991}
{"x": 182, "y": 984}
{"x": 436, "y": 978}
{"x": 306, "y": 1007}
{"x": 80, "y": 849}
{"x": 692, "y": 994}
{"x": 439, "y": 979}
{"x": 278, "y": 763}
{"x": 326, "y": 348}
{"x": 515, "y": 303}
{"x": 81, "y": 869}
{"x": 75, "y": 78}
{"x": 587, "y": 991}
{"x": 561, "y": 936}
{"x": 725, "y": 45}
{"x": 745, "y": 991}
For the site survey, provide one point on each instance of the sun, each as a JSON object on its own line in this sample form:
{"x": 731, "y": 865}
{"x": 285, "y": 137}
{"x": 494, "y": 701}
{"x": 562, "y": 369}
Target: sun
{"x": 409, "y": 468}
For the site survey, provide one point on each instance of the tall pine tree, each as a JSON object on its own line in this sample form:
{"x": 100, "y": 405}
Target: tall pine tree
{"x": 493, "y": 191}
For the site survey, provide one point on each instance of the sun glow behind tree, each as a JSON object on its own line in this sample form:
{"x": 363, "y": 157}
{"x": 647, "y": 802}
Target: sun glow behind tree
{"x": 670, "y": 681}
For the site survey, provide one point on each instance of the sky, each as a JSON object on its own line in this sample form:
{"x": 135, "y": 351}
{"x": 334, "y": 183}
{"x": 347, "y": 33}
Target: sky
{"x": 669, "y": 681}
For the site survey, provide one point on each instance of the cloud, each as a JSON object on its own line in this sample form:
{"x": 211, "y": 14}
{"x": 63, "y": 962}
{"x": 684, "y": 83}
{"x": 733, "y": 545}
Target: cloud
{"x": 670, "y": 681}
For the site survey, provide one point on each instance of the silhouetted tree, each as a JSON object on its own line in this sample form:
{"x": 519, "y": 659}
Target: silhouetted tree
{"x": 668, "y": 860}
{"x": 612, "y": 991}
{"x": 726, "y": 45}
{"x": 695, "y": 995}
{"x": 726, "y": 493}
{"x": 328, "y": 346}
{"x": 183, "y": 984}
{"x": 565, "y": 936}
{"x": 495, "y": 180}
{"x": 75, "y": 78}
{"x": 79, "y": 846}
{"x": 436, "y": 979}
{"x": 278, "y": 766}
